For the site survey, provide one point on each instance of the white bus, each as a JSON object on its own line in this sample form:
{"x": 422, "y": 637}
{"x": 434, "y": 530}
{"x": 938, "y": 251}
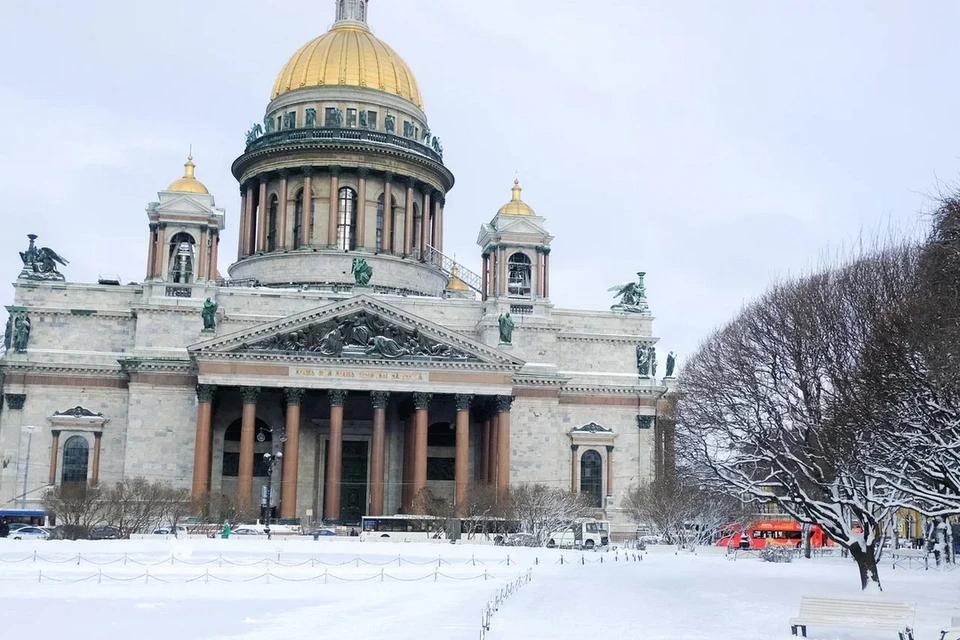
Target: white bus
{"x": 584, "y": 533}
{"x": 403, "y": 528}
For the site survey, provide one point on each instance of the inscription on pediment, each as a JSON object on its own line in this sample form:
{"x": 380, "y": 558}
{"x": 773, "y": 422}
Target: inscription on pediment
{"x": 361, "y": 335}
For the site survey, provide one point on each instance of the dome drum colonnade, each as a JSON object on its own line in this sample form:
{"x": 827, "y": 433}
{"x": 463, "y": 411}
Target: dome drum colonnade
{"x": 328, "y": 170}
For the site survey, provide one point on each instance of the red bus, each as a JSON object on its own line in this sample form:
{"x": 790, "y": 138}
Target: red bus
{"x": 779, "y": 533}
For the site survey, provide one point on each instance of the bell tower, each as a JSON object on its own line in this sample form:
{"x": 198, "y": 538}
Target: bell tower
{"x": 185, "y": 228}
{"x": 516, "y": 253}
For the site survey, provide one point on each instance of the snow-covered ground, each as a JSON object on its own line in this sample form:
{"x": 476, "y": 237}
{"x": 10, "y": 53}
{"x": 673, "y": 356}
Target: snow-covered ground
{"x": 334, "y": 588}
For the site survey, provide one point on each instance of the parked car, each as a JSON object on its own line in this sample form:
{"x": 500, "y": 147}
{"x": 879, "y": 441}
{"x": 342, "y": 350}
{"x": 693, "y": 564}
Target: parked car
{"x": 249, "y": 531}
{"x": 30, "y": 533}
{"x": 323, "y": 532}
{"x": 15, "y": 526}
{"x": 169, "y": 530}
{"x": 104, "y": 533}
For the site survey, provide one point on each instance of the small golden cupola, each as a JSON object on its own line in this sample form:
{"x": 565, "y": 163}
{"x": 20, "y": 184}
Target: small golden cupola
{"x": 516, "y": 206}
{"x": 189, "y": 183}
{"x": 455, "y": 283}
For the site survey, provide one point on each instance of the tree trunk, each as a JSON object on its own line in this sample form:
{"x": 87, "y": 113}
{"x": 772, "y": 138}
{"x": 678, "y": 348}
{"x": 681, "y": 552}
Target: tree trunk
{"x": 807, "y": 535}
{"x": 867, "y": 563}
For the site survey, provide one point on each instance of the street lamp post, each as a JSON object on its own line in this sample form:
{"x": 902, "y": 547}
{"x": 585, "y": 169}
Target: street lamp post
{"x": 26, "y": 467}
{"x": 271, "y": 461}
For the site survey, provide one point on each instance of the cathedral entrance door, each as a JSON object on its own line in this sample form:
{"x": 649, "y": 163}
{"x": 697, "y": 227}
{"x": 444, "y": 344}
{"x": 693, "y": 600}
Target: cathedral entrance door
{"x": 353, "y": 482}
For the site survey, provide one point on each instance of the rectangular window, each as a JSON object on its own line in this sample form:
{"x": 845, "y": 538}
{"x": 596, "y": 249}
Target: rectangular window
{"x": 372, "y": 119}
{"x": 330, "y": 117}
{"x": 351, "y": 118}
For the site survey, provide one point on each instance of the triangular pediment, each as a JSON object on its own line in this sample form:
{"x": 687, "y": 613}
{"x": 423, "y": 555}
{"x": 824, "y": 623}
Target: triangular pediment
{"x": 520, "y": 225}
{"x": 185, "y": 205}
{"x": 363, "y": 329}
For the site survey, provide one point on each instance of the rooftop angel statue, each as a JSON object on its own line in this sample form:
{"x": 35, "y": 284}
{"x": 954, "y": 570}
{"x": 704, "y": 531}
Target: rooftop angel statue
{"x": 633, "y": 296}
{"x": 41, "y": 264}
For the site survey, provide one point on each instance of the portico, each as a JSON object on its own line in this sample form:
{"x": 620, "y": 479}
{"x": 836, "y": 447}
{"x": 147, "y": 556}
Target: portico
{"x": 370, "y": 406}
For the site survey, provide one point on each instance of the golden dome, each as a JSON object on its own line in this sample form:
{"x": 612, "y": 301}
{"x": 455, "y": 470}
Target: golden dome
{"x": 188, "y": 183}
{"x": 455, "y": 283}
{"x": 516, "y": 206}
{"x": 349, "y": 55}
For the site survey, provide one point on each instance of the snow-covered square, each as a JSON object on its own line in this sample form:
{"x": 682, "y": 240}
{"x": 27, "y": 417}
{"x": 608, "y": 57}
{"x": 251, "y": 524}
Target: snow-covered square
{"x": 337, "y": 588}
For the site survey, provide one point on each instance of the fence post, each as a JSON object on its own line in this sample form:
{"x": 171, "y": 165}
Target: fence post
{"x": 40, "y": 576}
{"x": 206, "y": 576}
{"x": 583, "y": 560}
{"x": 34, "y": 556}
{"x": 381, "y": 574}
{"x": 325, "y": 575}
{"x": 484, "y": 575}
{"x": 78, "y": 559}
{"x": 436, "y": 575}
{"x": 99, "y": 575}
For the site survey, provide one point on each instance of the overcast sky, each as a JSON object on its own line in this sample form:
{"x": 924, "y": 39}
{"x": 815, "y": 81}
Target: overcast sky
{"x": 714, "y": 145}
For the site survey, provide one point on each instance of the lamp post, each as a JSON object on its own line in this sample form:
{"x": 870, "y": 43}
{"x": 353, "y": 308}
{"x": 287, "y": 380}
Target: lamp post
{"x": 26, "y": 467}
{"x": 271, "y": 460}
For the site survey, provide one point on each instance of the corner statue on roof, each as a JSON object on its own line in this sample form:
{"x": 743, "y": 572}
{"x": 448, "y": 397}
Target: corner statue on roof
{"x": 209, "y": 314}
{"x": 506, "y": 329}
{"x": 41, "y": 264}
{"x": 633, "y": 296}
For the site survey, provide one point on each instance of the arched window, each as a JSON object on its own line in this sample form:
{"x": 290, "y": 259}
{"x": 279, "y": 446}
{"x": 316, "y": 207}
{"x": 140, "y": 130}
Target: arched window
{"x": 347, "y": 220}
{"x": 417, "y": 226}
{"x": 518, "y": 275}
{"x": 231, "y": 448}
{"x": 272, "y": 217}
{"x": 182, "y": 258}
{"x": 297, "y": 215}
{"x": 591, "y": 477}
{"x": 76, "y": 453}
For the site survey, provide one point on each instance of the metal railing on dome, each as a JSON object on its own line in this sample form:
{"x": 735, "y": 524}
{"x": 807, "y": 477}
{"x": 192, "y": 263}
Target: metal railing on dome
{"x": 322, "y": 134}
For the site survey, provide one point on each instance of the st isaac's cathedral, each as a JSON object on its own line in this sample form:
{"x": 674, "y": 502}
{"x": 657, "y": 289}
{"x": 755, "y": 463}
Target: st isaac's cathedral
{"x": 343, "y": 336}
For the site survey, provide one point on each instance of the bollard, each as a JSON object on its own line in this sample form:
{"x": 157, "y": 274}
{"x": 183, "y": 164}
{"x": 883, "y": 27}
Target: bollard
{"x": 536, "y": 561}
{"x": 601, "y": 559}
{"x": 583, "y": 560}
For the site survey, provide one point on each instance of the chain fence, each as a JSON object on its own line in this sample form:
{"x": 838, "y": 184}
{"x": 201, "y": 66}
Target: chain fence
{"x": 496, "y": 601}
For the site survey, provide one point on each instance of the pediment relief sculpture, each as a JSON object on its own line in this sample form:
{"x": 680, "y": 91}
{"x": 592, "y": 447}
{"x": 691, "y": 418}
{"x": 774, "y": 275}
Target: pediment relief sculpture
{"x": 361, "y": 335}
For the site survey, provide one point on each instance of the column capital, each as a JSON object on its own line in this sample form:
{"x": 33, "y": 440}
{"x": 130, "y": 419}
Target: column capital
{"x": 16, "y": 401}
{"x": 422, "y": 399}
{"x": 153, "y": 227}
{"x": 609, "y": 448}
{"x": 503, "y": 403}
{"x": 334, "y": 170}
{"x": 389, "y": 176}
{"x": 206, "y": 392}
{"x": 250, "y": 394}
{"x": 161, "y": 225}
{"x": 363, "y": 172}
{"x": 410, "y": 182}
{"x": 380, "y": 399}
{"x": 97, "y": 435}
{"x": 283, "y": 173}
{"x": 338, "y": 397}
{"x": 574, "y": 447}
{"x": 546, "y": 251}
{"x": 55, "y": 433}
{"x": 463, "y": 401}
{"x": 307, "y": 171}
{"x": 294, "y": 396}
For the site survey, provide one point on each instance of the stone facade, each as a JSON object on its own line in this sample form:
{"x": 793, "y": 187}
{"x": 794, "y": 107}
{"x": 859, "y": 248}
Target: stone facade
{"x": 191, "y": 397}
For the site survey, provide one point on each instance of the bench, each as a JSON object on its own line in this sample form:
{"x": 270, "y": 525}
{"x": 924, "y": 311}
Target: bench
{"x": 954, "y": 632}
{"x": 909, "y": 556}
{"x": 860, "y": 613}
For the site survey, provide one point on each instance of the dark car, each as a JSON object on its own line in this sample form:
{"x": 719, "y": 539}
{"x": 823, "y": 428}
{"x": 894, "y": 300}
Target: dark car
{"x": 104, "y": 533}
{"x": 323, "y": 532}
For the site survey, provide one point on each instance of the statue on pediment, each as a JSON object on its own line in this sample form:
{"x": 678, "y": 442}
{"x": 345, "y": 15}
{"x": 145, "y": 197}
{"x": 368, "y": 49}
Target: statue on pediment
{"x": 332, "y": 344}
{"x": 362, "y": 272}
{"x": 390, "y": 123}
{"x": 386, "y": 348}
{"x": 671, "y": 363}
{"x": 209, "y": 315}
{"x": 506, "y": 328}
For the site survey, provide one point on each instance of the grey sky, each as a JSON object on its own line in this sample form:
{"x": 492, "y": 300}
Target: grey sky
{"x": 715, "y": 145}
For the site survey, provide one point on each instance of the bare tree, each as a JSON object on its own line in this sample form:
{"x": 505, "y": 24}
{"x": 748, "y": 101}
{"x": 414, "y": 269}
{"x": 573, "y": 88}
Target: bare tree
{"x": 542, "y": 510}
{"x": 772, "y": 407}
{"x": 76, "y": 504}
{"x": 135, "y": 505}
{"x": 681, "y": 512}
